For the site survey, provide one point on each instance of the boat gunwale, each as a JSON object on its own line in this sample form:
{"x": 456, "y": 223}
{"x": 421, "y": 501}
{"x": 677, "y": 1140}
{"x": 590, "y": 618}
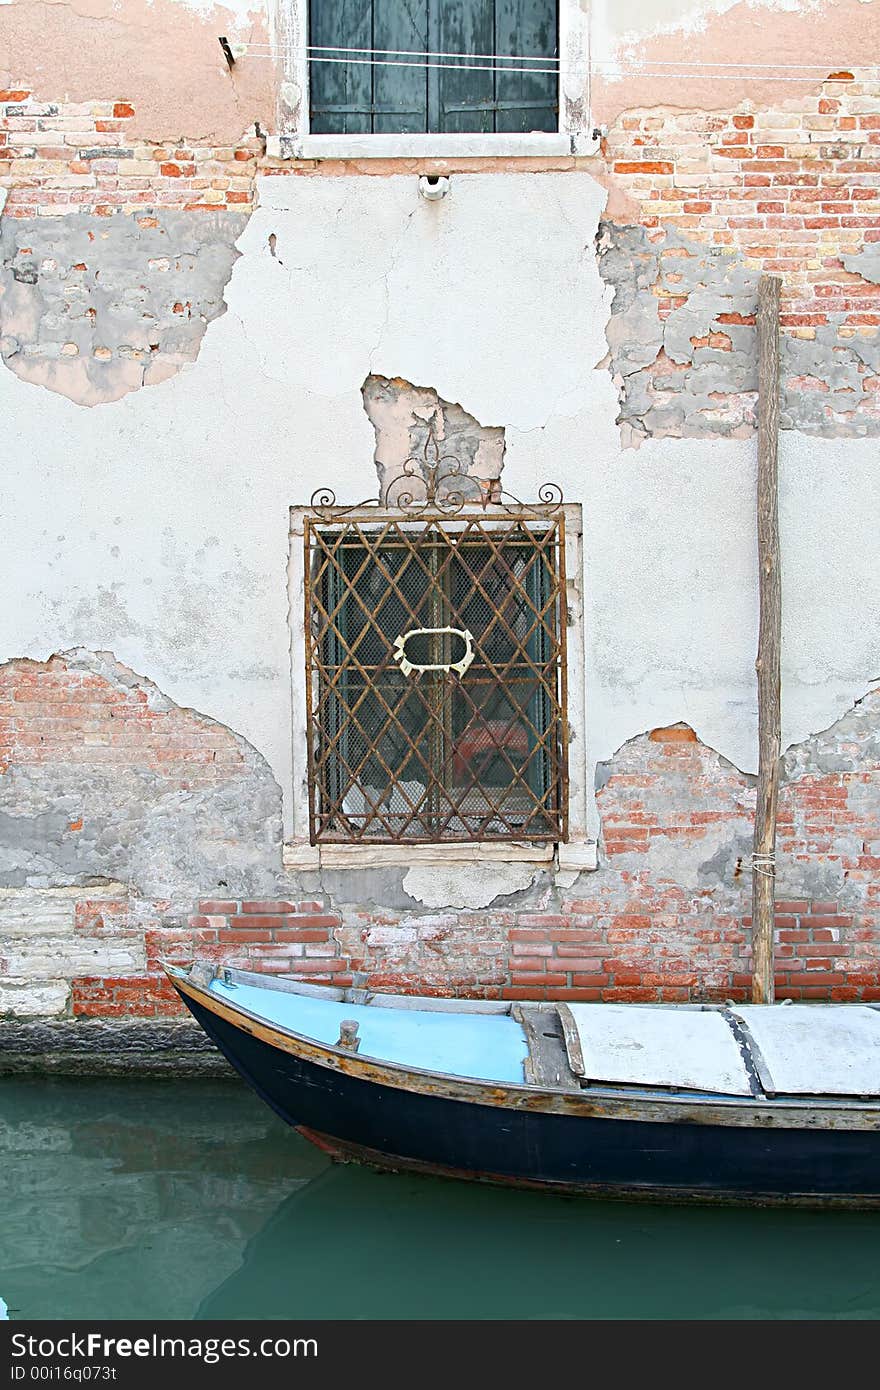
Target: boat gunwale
{"x": 647, "y": 1105}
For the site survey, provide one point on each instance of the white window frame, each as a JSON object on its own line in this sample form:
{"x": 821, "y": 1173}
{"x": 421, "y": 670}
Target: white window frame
{"x": 574, "y": 855}
{"x": 295, "y": 141}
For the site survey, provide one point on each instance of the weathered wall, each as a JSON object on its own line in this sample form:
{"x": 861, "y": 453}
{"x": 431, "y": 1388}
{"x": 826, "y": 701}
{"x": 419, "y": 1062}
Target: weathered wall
{"x": 163, "y": 53}
{"x": 94, "y": 311}
{"x": 155, "y": 527}
{"x": 716, "y": 200}
{"x": 712, "y": 53}
{"x": 102, "y": 777}
{"x": 665, "y": 917}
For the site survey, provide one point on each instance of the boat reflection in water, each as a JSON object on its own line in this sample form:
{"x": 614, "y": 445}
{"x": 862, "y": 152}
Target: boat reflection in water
{"x": 356, "y": 1243}
{"x": 151, "y": 1200}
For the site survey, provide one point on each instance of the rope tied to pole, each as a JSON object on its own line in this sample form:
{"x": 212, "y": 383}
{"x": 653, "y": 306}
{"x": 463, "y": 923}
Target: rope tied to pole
{"x": 763, "y": 864}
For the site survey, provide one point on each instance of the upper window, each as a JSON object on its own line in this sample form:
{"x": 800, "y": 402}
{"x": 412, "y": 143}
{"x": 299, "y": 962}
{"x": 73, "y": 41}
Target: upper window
{"x": 435, "y": 661}
{"x": 406, "y": 67}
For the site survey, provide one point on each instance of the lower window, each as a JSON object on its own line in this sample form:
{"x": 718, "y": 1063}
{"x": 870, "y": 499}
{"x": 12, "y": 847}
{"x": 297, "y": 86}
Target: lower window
{"x": 435, "y": 669}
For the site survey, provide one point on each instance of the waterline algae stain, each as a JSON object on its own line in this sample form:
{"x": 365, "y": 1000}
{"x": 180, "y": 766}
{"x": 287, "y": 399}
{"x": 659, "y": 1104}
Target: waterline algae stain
{"x": 188, "y": 1200}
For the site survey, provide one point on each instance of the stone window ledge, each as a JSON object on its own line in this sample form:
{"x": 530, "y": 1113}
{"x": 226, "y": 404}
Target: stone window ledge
{"x": 431, "y": 146}
{"x": 576, "y": 857}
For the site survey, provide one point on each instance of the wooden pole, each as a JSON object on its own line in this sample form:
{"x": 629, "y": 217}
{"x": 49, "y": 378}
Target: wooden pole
{"x": 767, "y": 665}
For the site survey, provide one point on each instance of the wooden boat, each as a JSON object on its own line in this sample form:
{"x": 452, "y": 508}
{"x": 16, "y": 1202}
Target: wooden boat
{"x": 760, "y": 1104}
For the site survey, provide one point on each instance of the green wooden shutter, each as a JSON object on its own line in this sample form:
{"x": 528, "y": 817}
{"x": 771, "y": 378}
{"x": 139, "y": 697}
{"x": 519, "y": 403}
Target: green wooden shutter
{"x": 472, "y": 100}
{"x": 341, "y": 93}
{"x": 400, "y": 93}
{"x": 352, "y": 97}
{"x": 526, "y": 101}
{"x": 465, "y": 98}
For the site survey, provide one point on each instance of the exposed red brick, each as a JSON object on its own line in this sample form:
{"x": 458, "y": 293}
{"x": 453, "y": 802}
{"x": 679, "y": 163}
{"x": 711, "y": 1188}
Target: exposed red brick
{"x": 657, "y": 167}
{"x": 271, "y": 906}
{"x": 676, "y": 733}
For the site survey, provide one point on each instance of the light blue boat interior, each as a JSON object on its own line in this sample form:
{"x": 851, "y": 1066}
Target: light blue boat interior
{"x": 484, "y": 1047}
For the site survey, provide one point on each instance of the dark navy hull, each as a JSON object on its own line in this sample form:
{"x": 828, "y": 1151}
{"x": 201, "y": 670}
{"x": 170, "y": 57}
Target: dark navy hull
{"x": 394, "y": 1127}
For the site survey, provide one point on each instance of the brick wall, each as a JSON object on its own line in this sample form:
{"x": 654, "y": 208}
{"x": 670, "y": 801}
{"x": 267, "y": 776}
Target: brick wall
{"x": 60, "y": 157}
{"x": 719, "y": 197}
{"x": 792, "y": 192}
{"x": 53, "y": 714}
{"x": 666, "y": 916}
{"x": 703, "y": 204}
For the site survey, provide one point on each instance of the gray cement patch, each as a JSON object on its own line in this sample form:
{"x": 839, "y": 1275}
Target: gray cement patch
{"x": 94, "y": 307}
{"x": 693, "y": 374}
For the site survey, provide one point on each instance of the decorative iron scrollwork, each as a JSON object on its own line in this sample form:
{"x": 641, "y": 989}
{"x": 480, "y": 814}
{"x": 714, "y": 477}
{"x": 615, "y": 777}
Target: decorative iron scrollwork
{"x": 434, "y": 472}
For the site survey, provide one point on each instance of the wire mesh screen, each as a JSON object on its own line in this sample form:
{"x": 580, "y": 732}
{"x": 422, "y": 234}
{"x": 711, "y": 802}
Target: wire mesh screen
{"x": 436, "y": 678}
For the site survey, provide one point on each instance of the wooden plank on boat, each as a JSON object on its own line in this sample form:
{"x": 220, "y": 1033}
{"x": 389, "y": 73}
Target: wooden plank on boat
{"x": 547, "y": 1063}
{"x": 282, "y": 984}
{"x": 649, "y": 1046}
{"x": 817, "y": 1049}
{"x": 433, "y": 1004}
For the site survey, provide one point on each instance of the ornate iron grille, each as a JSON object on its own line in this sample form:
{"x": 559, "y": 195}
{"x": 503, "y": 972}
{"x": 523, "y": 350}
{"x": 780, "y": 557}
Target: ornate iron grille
{"x": 435, "y": 637}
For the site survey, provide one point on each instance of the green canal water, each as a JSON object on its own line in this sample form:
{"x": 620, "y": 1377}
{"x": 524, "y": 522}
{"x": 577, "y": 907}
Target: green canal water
{"x": 191, "y": 1200}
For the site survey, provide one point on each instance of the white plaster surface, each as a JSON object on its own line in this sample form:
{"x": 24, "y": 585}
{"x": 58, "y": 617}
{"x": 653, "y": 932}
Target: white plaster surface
{"x": 466, "y": 885}
{"x": 157, "y": 526}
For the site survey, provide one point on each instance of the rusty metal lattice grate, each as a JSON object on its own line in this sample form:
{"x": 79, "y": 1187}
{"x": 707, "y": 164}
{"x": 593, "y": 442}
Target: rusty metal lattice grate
{"x": 435, "y": 671}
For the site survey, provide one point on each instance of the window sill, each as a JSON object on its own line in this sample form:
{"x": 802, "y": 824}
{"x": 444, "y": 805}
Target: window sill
{"x": 531, "y": 144}
{"x": 578, "y": 856}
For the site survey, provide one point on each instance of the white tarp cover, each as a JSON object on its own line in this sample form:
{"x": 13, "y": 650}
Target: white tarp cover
{"x": 817, "y": 1049}
{"x": 652, "y": 1046}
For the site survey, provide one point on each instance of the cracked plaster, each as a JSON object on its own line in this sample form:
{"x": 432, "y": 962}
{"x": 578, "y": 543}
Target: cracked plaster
{"x": 158, "y": 526}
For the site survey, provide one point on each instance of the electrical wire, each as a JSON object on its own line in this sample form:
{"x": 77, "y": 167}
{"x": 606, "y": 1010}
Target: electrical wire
{"x": 558, "y": 69}
{"x": 541, "y": 58}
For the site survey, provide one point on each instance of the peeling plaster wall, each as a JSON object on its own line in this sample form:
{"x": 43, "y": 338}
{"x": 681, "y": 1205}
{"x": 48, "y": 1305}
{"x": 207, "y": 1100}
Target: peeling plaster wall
{"x": 308, "y": 345}
{"x": 103, "y": 777}
{"x": 705, "y": 47}
{"x": 693, "y": 371}
{"x": 406, "y": 417}
{"x": 666, "y": 917}
{"x": 157, "y": 528}
{"x": 93, "y": 307}
{"x": 703, "y": 205}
